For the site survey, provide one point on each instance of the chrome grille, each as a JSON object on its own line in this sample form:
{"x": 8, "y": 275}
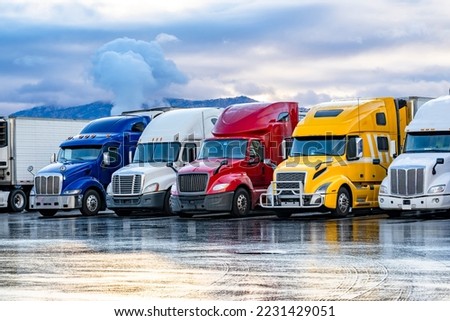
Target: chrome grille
{"x": 48, "y": 185}
{"x": 407, "y": 181}
{"x": 126, "y": 184}
{"x": 283, "y": 180}
{"x": 192, "y": 183}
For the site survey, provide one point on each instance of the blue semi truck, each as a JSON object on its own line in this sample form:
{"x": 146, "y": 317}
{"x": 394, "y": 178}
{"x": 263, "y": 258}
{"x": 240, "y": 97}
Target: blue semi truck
{"x": 80, "y": 173}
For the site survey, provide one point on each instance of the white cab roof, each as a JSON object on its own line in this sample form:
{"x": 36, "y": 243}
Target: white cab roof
{"x": 181, "y": 124}
{"x": 434, "y": 115}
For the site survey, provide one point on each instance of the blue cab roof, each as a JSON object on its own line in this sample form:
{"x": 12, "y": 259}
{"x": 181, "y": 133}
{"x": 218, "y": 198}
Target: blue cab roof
{"x": 117, "y": 124}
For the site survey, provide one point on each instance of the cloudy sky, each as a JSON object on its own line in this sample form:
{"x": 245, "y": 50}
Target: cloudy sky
{"x": 68, "y": 53}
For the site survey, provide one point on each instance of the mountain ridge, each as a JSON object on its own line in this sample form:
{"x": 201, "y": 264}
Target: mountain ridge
{"x": 99, "y": 109}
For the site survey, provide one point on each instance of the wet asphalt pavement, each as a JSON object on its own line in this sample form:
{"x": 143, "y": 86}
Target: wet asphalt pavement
{"x": 71, "y": 257}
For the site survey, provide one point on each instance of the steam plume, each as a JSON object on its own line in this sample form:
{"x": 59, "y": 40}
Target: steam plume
{"x": 135, "y": 71}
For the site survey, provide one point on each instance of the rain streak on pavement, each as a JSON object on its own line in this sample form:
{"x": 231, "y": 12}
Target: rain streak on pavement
{"x": 71, "y": 257}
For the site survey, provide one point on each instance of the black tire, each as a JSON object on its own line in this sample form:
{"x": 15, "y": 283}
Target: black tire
{"x": 17, "y": 200}
{"x": 122, "y": 212}
{"x": 241, "y": 203}
{"x": 343, "y": 203}
{"x": 185, "y": 215}
{"x": 393, "y": 213}
{"x": 167, "y": 209}
{"x": 284, "y": 214}
{"x": 48, "y": 213}
{"x": 91, "y": 203}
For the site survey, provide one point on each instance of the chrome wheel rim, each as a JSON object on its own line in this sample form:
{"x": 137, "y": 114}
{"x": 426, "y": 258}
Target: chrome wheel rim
{"x": 91, "y": 203}
{"x": 241, "y": 204}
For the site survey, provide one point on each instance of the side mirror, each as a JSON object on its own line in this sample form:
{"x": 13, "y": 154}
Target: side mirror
{"x": 268, "y": 162}
{"x": 392, "y": 147}
{"x": 106, "y": 159}
{"x": 30, "y": 169}
{"x": 53, "y": 158}
{"x": 170, "y": 164}
{"x": 286, "y": 146}
{"x": 130, "y": 157}
{"x": 377, "y": 161}
{"x": 439, "y": 161}
{"x": 223, "y": 162}
{"x": 354, "y": 148}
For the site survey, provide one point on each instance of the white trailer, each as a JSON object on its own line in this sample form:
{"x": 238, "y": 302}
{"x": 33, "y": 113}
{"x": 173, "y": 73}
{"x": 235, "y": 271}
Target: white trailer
{"x": 27, "y": 144}
{"x": 419, "y": 178}
{"x": 169, "y": 142}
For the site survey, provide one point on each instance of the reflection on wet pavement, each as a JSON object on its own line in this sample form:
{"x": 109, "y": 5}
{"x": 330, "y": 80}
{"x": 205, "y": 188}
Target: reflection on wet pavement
{"x": 257, "y": 258}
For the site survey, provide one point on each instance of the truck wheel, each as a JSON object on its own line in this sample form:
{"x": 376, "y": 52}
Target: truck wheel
{"x": 185, "y": 215}
{"x": 17, "y": 200}
{"x": 91, "y": 203}
{"x": 343, "y": 203}
{"x": 48, "y": 213}
{"x": 241, "y": 203}
{"x": 284, "y": 214}
{"x": 167, "y": 207}
{"x": 122, "y": 212}
{"x": 393, "y": 213}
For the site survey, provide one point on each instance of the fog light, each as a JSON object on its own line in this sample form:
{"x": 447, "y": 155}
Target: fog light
{"x": 381, "y": 200}
{"x": 435, "y": 200}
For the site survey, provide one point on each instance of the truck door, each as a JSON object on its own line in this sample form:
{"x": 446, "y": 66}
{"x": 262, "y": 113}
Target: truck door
{"x": 114, "y": 163}
{"x": 255, "y": 167}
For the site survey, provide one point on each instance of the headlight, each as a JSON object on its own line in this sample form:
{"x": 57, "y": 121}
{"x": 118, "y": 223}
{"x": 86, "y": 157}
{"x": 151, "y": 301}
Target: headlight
{"x": 220, "y": 187}
{"x": 109, "y": 189}
{"x": 436, "y": 189}
{"x": 72, "y": 192}
{"x": 151, "y": 188}
{"x": 323, "y": 188}
{"x": 383, "y": 189}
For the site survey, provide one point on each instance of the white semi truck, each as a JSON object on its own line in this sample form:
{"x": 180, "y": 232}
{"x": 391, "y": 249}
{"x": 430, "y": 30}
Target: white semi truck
{"x": 169, "y": 142}
{"x": 27, "y": 144}
{"x": 419, "y": 178}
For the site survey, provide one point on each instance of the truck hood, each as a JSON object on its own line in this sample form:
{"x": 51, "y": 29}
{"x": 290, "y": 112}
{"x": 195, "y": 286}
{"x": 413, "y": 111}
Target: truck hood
{"x": 149, "y": 170}
{"x": 209, "y": 166}
{"x": 65, "y": 169}
{"x": 420, "y": 159}
{"x": 305, "y": 163}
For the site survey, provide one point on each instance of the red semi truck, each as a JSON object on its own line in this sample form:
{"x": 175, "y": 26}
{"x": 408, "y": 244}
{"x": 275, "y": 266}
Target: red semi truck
{"x": 235, "y": 166}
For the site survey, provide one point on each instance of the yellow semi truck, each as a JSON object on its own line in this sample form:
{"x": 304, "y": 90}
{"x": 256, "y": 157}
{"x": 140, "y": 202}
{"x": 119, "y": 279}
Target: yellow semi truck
{"x": 339, "y": 156}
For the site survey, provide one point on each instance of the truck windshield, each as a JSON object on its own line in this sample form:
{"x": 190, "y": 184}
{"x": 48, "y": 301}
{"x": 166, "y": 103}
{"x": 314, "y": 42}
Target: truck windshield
{"x": 157, "y": 152}
{"x": 74, "y": 154}
{"x": 318, "y": 146}
{"x": 425, "y": 142}
{"x": 224, "y": 148}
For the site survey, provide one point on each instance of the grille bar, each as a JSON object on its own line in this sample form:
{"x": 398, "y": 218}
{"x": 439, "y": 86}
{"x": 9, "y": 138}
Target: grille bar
{"x": 284, "y": 182}
{"x": 126, "y": 184}
{"x": 407, "y": 181}
{"x": 48, "y": 185}
{"x": 192, "y": 183}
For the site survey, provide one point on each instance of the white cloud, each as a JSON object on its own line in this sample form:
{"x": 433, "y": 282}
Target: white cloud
{"x": 165, "y": 38}
{"x": 30, "y": 61}
{"x": 135, "y": 71}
